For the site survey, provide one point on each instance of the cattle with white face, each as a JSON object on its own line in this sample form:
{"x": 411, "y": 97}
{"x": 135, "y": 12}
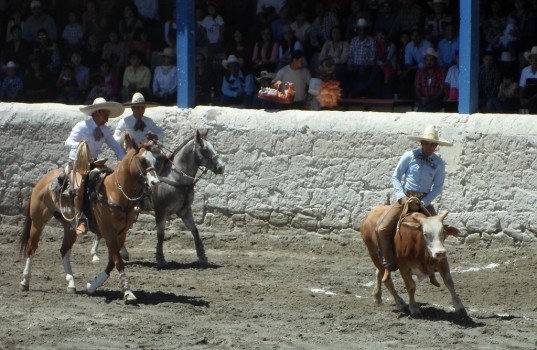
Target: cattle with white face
{"x": 419, "y": 251}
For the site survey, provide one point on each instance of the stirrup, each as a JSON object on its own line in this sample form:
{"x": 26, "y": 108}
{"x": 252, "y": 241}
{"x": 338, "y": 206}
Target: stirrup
{"x": 390, "y": 266}
{"x": 82, "y": 228}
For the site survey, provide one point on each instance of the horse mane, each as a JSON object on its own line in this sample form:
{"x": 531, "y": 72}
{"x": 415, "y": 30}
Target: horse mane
{"x": 178, "y": 148}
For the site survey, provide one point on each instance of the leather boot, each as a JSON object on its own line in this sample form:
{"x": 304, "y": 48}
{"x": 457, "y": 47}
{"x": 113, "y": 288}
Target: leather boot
{"x": 385, "y": 240}
{"x": 82, "y": 226}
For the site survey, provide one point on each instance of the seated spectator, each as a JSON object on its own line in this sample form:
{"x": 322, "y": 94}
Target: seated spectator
{"x": 265, "y": 53}
{"x": 37, "y": 21}
{"x": 297, "y": 74}
{"x": 204, "y": 82}
{"x": 281, "y": 23}
{"x": 451, "y": 87}
{"x": 17, "y": 49}
{"x": 12, "y": 89}
{"x": 413, "y": 60}
{"x": 170, "y": 26}
{"x": 110, "y": 81}
{"x": 301, "y": 27}
{"x": 385, "y": 17}
{"x": 15, "y": 20}
{"x": 97, "y": 88}
{"x": 140, "y": 42}
{"x": 91, "y": 52}
{"x": 81, "y": 73}
{"x": 288, "y": 44}
{"x": 165, "y": 79}
{"x": 136, "y": 77}
{"x": 508, "y": 96}
{"x": 492, "y": 24}
{"x": 508, "y": 40}
{"x": 66, "y": 87}
{"x": 526, "y": 24}
{"x": 338, "y": 50}
{"x": 114, "y": 52}
{"x": 436, "y": 21}
{"x": 410, "y": 16}
{"x": 321, "y": 26}
{"x": 129, "y": 22}
{"x": 490, "y": 78}
{"x": 528, "y": 82}
{"x": 73, "y": 34}
{"x": 48, "y": 52}
{"x": 358, "y": 10}
{"x": 88, "y": 16}
{"x": 237, "y": 88}
{"x": 326, "y": 70}
{"x": 385, "y": 53}
{"x": 240, "y": 49}
{"x": 429, "y": 84}
{"x": 364, "y": 76}
{"x": 38, "y": 82}
{"x": 267, "y": 11}
{"x": 448, "y": 46}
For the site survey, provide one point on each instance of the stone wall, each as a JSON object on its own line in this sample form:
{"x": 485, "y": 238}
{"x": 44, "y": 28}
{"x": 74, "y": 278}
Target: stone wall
{"x": 316, "y": 171}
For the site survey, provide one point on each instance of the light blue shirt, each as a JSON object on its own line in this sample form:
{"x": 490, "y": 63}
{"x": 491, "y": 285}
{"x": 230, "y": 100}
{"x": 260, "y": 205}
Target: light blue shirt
{"x": 414, "y": 55}
{"x": 138, "y": 136}
{"x": 84, "y": 131}
{"x": 420, "y": 175}
{"x": 447, "y": 50}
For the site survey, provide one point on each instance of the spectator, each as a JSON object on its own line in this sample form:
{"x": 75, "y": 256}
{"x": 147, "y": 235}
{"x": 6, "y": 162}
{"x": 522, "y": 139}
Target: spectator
{"x": 415, "y": 50}
{"x": 264, "y": 80}
{"x": 302, "y": 27}
{"x": 89, "y": 15}
{"x": 493, "y": 24}
{"x": 358, "y": 10}
{"x": 97, "y": 88}
{"x": 129, "y": 23}
{"x": 73, "y": 34}
{"x": 409, "y": 17}
{"x": 37, "y": 21}
{"x": 170, "y": 26}
{"x": 429, "y": 84}
{"x": 280, "y": 23}
{"x": 528, "y": 82}
{"x": 508, "y": 95}
{"x": 16, "y": 19}
{"x": 385, "y": 54}
{"x": 136, "y": 77}
{"x": 204, "y": 81}
{"x": 237, "y": 87}
{"x": 364, "y": 74}
{"x": 48, "y": 52}
{"x": 490, "y": 78}
{"x": 38, "y": 82}
{"x": 66, "y": 87}
{"x": 385, "y": 17}
{"x": 436, "y": 21}
{"x": 448, "y": 46}
{"x": 451, "y": 86}
{"x": 265, "y": 54}
{"x": 12, "y": 89}
{"x": 240, "y": 49}
{"x": 525, "y": 22}
{"x": 338, "y": 50}
{"x": 140, "y": 42}
{"x": 17, "y": 49}
{"x": 214, "y": 27}
{"x": 114, "y": 52}
{"x": 100, "y": 27}
{"x": 321, "y": 26}
{"x": 267, "y": 11}
{"x": 81, "y": 74}
{"x": 288, "y": 44}
{"x": 165, "y": 79}
{"x": 297, "y": 74}
{"x": 148, "y": 9}
{"x": 110, "y": 81}
{"x": 91, "y": 54}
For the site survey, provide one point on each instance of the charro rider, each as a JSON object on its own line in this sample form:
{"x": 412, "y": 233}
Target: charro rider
{"x": 423, "y": 172}
{"x": 94, "y": 132}
{"x": 139, "y": 127}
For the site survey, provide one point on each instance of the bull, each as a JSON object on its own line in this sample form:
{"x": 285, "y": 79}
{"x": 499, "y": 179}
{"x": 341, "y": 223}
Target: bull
{"x": 419, "y": 251}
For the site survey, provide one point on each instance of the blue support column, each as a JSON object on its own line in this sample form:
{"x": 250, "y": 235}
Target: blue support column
{"x": 469, "y": 57}
{"x": 185, "y": 53}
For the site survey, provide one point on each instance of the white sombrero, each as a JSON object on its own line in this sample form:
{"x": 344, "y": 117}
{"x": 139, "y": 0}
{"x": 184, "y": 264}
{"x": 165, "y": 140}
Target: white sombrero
{"x": 430, "y": 134}
{"x": 139, "y": 100}
{"x": 116, "y": 109}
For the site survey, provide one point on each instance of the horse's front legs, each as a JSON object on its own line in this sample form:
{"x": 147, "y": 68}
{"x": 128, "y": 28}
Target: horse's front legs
{"x": 69, "y": 239}
{"x": 159, "y": 253}
{"x": 188, "y": 220}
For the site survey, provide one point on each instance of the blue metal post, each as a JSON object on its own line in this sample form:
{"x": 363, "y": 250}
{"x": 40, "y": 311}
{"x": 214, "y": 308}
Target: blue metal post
{"x": 469, "y": 57}
{"x": 185, "y": 53}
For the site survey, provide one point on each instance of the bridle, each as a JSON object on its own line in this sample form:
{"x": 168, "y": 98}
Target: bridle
{"x": 142, "y": 173}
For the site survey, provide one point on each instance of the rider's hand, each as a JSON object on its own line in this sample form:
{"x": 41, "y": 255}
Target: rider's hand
{"x": 403, "y": 200}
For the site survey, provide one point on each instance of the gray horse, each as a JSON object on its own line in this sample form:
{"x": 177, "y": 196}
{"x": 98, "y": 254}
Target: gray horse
{"x": 175, "y": 193}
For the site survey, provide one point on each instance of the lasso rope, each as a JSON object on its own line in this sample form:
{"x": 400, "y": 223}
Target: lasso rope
{"x": 83, "y": 159}
{"x": 412, "y": 204}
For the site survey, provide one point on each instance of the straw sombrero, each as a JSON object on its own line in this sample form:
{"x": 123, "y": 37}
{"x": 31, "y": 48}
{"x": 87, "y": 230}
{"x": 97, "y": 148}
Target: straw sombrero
{"x": 430, "y": 134}
{"x": 116, "y": 109}
{"x": 139, "y": 100}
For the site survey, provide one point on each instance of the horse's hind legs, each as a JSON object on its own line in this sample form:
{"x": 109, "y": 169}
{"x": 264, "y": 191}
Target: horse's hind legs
{"x": 71, "y": 288}
{"x": 188, "y": 220}
{"x": 95, "y": 258}
{"x": 26, "y": 275}
{"x": 159, "y": 252}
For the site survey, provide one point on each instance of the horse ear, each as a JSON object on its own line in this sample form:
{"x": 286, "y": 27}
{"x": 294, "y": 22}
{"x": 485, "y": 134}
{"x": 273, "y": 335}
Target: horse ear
{"x": 198, "y": 136}
{"x": 126, "y": 142}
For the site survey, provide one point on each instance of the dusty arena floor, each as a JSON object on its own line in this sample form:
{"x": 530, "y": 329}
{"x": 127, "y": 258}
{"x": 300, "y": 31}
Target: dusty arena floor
{"x": 282, "y": 291}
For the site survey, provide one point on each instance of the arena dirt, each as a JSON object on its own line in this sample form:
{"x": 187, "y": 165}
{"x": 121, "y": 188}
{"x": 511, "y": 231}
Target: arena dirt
{"x": 285, "y": 290}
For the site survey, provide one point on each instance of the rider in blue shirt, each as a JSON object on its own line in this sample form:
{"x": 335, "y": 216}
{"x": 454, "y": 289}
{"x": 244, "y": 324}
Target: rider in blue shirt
{"x": 420, "y": 173}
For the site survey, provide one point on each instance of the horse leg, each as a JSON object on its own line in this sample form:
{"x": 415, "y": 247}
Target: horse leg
{"x": 160, "y": 220}
{"x": 188, "y": 220}
{"x": 29, "y": 242}
{"x": 94, "y": 247}
{"x": 69, "y": 239}
{"x": 128, "y": 295}
{"x": 27, "y": 274}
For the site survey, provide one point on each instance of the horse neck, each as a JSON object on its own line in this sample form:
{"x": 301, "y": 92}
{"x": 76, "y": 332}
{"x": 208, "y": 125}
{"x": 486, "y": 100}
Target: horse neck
{"x": 127, "y": 173}
{"x": 185, "y": 160}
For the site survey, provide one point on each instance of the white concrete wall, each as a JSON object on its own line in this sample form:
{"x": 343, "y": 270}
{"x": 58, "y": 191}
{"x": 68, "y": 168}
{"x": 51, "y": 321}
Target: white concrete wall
{"x": 317, "y": 171}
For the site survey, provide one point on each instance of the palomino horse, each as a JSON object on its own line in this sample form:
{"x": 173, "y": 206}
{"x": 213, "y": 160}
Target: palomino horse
{"x": 111, "y": 214}
{"x": 176, "y": 191}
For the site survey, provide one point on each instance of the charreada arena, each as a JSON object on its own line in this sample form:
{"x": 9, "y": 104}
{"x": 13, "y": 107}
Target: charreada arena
{"x": 286, "y": 266}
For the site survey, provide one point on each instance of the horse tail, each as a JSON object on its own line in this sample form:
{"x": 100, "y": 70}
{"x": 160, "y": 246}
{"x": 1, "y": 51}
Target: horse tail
{"x": 25, "y": 234}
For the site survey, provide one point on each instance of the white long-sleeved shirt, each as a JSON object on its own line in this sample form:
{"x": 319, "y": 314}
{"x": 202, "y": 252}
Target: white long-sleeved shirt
{"x": 84, "y": 131}
{"x": 138, "y": 136}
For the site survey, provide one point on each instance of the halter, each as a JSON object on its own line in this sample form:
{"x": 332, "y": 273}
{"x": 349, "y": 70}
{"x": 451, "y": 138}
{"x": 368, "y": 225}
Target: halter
{"x": 141, "y": 173}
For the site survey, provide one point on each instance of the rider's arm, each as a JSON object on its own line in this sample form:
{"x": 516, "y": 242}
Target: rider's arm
{"x": 398, "y": 173}
{"x": 114, "y": 146}
{"x": 120, "y": 128}
{"x": 438, "y": 184}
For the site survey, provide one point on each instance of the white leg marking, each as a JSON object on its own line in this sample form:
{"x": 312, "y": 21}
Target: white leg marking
{"x": 94, "y": 248}
{"x": 27, "y": 274}
{"x": 69, "y": 272}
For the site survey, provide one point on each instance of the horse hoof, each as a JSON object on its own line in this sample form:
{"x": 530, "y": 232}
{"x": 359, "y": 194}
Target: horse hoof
{"x": 203, "y": 261}
{"x": 71, "y": 290}
{"x": 161, "y": 262}
{"x": 124, "y": 255}
{"x": 95, "y": 259}
{"x": 25, "y": 287}
{"x": 129, "y": 297}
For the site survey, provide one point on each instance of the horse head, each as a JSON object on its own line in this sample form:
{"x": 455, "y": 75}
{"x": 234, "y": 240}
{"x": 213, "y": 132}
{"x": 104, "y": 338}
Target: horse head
{"x": 206, "y": 155}
{"x": 149, "y": 156}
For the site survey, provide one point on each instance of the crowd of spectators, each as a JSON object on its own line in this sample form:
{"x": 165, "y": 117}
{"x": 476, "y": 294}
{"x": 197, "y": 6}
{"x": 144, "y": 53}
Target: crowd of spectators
{"x": 70, "y": 51}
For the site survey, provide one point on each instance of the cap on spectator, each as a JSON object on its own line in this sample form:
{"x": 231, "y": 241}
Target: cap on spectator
{"x": 168, "y": 51}
{"x": 528, "y": 54}
{"x": 34, "y": 4}
{"x": 265, "y": 75}
{"x": 431, "y": 52}
{"x": 506, "y": 57}
{"x": 361, "y": 23}
{"x": 231, "y": 59}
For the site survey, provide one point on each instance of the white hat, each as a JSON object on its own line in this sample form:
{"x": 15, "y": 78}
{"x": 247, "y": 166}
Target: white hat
{"x": 265, "y": 75}
{"x": 362, "y": 22}
{"x": 168, "y": 51}
{"x": 116, "y": 109}
{"x": 35, "y": 3}
{"x": 533, "y": 51}
{"x": 11, "y": 65}
{"x": 506, "y": 57}
{"x": 431, "y": 52}
{"x": 231, "y": 59}
{"x": 430, "y": 134}
{"x": 139, "y": 100}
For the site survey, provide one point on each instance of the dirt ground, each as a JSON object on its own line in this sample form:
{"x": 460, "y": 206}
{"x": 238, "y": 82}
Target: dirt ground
{"x": 287, "y": 290}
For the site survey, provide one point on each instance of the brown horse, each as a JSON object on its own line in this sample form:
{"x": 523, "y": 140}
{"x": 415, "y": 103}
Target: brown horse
{"x": 111, "y": 214}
